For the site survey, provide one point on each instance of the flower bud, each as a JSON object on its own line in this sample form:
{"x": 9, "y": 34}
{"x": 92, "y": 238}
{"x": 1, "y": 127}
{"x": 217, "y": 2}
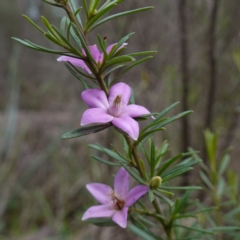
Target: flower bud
{"x": 155, "y": 182}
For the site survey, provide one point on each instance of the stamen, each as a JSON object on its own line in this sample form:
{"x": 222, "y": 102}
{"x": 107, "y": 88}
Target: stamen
{"x": 116, "y": 107}
{"x": 117, "y": 101}
{"x": 118, "y": 203}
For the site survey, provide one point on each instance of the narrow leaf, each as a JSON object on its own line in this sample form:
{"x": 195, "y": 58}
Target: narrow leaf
{"x": 118, "y": 15}
{"x": 85, "y": 131}
{"x": 34, "y": 24}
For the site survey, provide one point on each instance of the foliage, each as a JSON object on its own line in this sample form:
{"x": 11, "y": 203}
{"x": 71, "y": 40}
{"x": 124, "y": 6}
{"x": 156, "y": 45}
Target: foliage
{"x": 162, "y": 216}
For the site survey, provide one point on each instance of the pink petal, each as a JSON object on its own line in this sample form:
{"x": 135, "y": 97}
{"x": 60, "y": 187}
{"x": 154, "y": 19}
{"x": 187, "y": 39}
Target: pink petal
{"x": 109, "y": 48}
{"x": 95, "y": 98}
{"x": 120, "y": 89}
{"x": 76, "y": 62}
{"x": 121, "y": 183}
{"x": 120, "y": 217}
{"x": 134, "y": 110}
{"x": 95, "y": 115}
{"x": 99, "y": 211}
{"x": 100, "y": 191}
{"x": 128, "y": 125}
{"x": 135, "y": 193}
{"x": 95, "y": 53}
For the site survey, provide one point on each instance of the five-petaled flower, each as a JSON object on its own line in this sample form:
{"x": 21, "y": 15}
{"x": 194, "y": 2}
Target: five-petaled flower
{"x": 114, "y": 109}
{"x": 96, "y": 54}
{"x": 114, "y": 203}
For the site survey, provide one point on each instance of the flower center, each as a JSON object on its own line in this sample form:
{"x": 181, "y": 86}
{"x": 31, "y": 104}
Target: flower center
{"x": 118, "y": 203}
{"x": 115, "y": 108}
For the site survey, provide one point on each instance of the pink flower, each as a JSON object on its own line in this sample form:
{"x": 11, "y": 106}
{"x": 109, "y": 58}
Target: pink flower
{"x": 114, "y": 203}
{"x": 114, "y": 109}
{"x": 97, "y": 55}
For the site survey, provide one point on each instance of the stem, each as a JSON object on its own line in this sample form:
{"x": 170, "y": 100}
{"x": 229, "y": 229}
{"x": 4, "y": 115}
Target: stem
{"x": 136, "y": 157}
{"x": 165, "y": 225}
{"x": 102, "y": 83}
{"x": 73, "y": 19}
{"x": 98, "y": 76}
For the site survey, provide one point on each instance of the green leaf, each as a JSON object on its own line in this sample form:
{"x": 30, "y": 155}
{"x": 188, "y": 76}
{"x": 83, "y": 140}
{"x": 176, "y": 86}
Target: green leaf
{"x": 119, "y": 15}
{"x": 99, "y": 15}
{"x": 151, "y": 195}
{"x": 206, "y": 180}
{"x": 211, "y": 145}
{"x": 203, "y": 210}
{"x": 116, "y": 47}
{"x": 141, "y": 232}
{"x": 153, "y": 124}
{"x": 184, "y": 216}
{"x": 73, "y": 49}
{"x": 53, "y": 39}
{"x": 50, "y": 28}
{"x": 93, "y": 5}
{"x": 161, "y": 114}
{"x": 85, "y": 131}
{"x": 104, "y": 161}
{"x": 152, "y": 157}
{"x": 51, "y": 3}
{"x": 77, "y": 12}
{"x": 145, "y": 152}
{"x": 102, "y": 46}
{"x": 77, "y": 71}
{"x": 34, "y": 24}
{"x": 86, "y": 7}
{"x": 85, "y": 84}
{"x": 84, "y": 44}
{"x": 225, "y": 229}
{"x": 39, "y": 48}
{"x": 117, "y": 60}
{"x": 167, "y": 200}
{"x": 163, "y": 150}
{"x": 232, "y": 213}
{"x": 24, "y": 43}
{"x": 130, "y": 67}
{"x": 168, "y": 176}
{"x": 220, "y": 187}
{"x": 63, "y": 23}
{"x": 189, "y": 161}
{"x": 194, "y": 229}
{"x": 132, "y": 98}
{"x": 108, "y": 152}
{"x": 165, "y": 192}
{"x": 146, "y": 221}
{"x": 168, "y": 163}
{"x": 224, "y": 164}
{"x": 181, "y": 188}
{"x": 112, "y": 70}
{"x": 142, "y": 53}
{"x": 172, "y": 119}
{"x": 74, "y": 36}
{"x": 136, "y": 222}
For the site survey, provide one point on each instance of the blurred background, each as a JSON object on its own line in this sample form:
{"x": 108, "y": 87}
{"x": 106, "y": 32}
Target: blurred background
{"x": 43, "y": 178}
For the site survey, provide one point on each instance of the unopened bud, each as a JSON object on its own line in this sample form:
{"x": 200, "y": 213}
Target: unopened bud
{"x": 155, "y": 182}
